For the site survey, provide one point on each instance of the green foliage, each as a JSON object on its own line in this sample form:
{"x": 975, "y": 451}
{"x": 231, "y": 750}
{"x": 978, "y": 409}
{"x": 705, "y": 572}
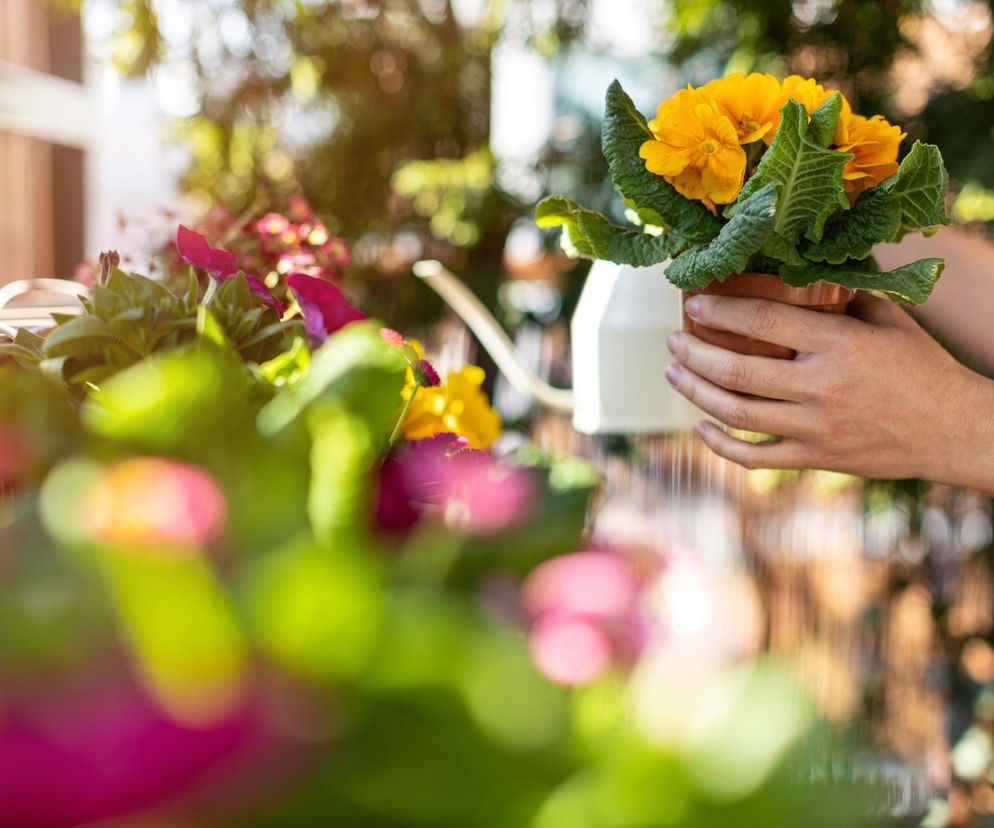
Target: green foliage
{"x": 355, "y": 369}
{"x": 825, "y": 119}
{"x": 808, "y": 175}
{"x": 592, "y": 235}
{"x": 910, "y": 283}
{"x": 874, "y": 218}
{"x": 920, "y": 185}
{"x": 131, "y": 317}
{"x": 625, "y": 130}
{"x": 730, "y": 252}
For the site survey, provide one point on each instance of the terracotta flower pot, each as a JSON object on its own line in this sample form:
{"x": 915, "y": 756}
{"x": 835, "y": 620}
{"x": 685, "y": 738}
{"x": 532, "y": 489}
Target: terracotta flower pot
{"x": 821, "y": 297}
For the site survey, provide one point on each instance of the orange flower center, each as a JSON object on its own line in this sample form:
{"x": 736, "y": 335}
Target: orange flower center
{"x": 709, "y": 147}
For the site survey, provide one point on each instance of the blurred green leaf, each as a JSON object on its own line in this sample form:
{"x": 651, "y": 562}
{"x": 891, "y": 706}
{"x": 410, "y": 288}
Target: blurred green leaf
{"x": 355, "y": 367}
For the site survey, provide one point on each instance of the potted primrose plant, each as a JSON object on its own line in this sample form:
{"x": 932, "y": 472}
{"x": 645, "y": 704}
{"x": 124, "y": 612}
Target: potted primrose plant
{"x": 750, "y": 186}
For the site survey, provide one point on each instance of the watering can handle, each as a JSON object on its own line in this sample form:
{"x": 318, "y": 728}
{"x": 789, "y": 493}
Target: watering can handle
{"x": 491, "y": 336}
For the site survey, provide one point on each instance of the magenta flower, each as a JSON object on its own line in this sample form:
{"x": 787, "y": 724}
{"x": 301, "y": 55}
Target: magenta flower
{"x": 194, "y": 249}
{"x": 425, "y": 374}
{"x": 257, "y": 287}
{"x": 464, "y": 489}
{"x": 108, "y": 752}
{"x": 324, "y": 306}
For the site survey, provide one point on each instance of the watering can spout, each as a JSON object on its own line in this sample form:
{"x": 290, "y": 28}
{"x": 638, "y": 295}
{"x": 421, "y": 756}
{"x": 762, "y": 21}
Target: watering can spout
{"x": 491, "y": 336}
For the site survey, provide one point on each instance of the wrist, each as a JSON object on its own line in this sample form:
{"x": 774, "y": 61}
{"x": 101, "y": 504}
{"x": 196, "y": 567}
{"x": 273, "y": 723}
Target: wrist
{"x": 964, "y": 438}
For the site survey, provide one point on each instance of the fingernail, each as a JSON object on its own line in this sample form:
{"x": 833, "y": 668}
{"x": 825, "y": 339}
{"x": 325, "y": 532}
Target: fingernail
{"x": 673, "y": 374}
{"x": 693, "y": 306}
{"x": 700, "y": 428}
{"x": 671, "y": 343}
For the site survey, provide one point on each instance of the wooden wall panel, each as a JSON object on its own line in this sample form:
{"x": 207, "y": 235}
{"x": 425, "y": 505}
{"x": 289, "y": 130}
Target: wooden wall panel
{"x": 41, "y": 185}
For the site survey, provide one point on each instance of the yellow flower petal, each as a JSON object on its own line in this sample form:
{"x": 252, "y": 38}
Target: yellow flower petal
{"x": 459, "y": 406}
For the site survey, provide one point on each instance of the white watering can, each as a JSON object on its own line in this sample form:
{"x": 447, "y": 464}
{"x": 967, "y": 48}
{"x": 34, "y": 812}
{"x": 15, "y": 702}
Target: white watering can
{"x": 619, "y": 333}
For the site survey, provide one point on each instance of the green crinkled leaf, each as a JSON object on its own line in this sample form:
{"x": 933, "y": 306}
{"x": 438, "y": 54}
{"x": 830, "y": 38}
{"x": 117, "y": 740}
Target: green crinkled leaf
{"x": 920, "y": 183}
{"x": 875, "y": 218}
{"x": 625, "y": 130}
{"x": 809, "y": 177}
{"x": 559, "y": 211}
{"x": 910, "y": 283}
{"x": 730, "y": 252}
{"x": 592, "y": 235}
{"x": 825, "y": 119}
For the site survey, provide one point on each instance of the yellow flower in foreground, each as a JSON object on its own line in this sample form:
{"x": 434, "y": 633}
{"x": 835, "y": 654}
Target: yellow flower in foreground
{"x": 875, "y": 144}
{"x": 696, "y": 149}
{"x": 459, "y": 406}
{"x": 752, "y": 102}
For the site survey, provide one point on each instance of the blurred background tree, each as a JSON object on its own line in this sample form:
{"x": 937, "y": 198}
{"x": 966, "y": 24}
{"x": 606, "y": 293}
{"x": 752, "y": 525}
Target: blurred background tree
{"x": 337, "y": 99}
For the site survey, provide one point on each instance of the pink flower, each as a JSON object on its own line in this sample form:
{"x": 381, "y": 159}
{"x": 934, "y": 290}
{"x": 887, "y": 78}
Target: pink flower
{"x": 153, "y": 502}
{"x": 323, "y": 305}
{"x": 300, "y": 208}
{"x": 194, "y": 249}
{"x": 570, "y": 650}
{"x": 594, "y": 584}
{"x": 586, "y": 615}
{"x": 86, "y": 273}
{"x": 273, "y": 224}
{"x": 392, "y": 338}
{"x": 336, "y": 250}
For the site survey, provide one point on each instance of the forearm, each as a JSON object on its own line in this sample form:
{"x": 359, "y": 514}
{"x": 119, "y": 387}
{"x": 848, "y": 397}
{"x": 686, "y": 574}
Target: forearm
{"x": 963, "y": 451}
{"x": 962, "y": 304}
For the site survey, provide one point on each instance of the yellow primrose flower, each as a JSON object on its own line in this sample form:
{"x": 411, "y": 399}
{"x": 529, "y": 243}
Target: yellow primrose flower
{"x": 875, "y": 143}
{"x": 459, "y": 406}
{"x": 752, "y": 102}
{"x": 806, "y": 91}
{"x": 696, "y": 149}
{"x": 679, "y": 105}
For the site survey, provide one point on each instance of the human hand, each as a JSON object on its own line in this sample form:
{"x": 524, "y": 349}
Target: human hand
{"x": 870, "y": 393}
